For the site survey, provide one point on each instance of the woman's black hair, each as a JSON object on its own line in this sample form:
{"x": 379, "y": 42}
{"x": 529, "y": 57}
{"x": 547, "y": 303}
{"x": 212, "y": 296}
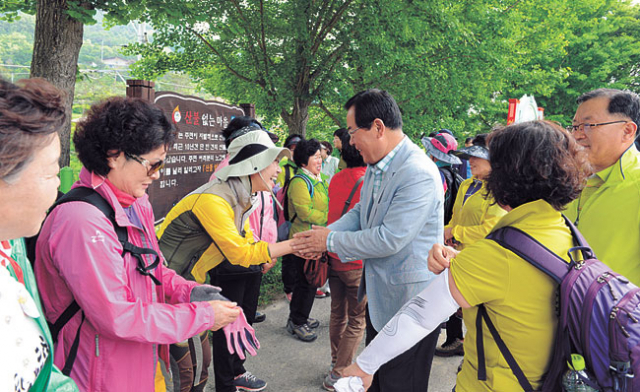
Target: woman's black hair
{"x": 128, "y": 125}
{"x": 340, "y": 132}
{"x": 351, "y": 156}
{"x": 480, "y": 140}
{"x": 237, "y": 124}
{"x": 345, "y": 139}
{"x": 304, "y": 150}
{"x": 535, "y": 160}
{"x": 292, "y": 139}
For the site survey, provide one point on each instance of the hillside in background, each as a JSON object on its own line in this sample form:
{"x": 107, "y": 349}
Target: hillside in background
{"x": 103, "y": 66}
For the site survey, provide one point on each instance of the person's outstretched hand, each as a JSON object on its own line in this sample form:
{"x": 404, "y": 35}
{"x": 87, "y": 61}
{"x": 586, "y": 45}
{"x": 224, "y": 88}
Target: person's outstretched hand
{"x": 311, "y": 241}
{"x": 225, "y": 312}
{"x": 241, "y": 337}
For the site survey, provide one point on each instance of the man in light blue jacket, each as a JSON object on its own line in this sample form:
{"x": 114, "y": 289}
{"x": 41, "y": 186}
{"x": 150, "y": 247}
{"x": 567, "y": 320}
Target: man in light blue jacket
{"x": 392, "y": 228}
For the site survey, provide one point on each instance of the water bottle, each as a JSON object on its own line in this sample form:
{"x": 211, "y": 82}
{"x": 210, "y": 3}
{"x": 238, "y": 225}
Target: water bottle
{"x": 572, "y": 381}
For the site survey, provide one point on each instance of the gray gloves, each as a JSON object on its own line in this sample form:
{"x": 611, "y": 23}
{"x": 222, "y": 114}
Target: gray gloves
{"x": 206, "y": 293}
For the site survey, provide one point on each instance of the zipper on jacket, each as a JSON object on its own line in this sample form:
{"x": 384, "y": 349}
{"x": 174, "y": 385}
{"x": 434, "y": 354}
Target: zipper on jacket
{"x": 97, "y": 346}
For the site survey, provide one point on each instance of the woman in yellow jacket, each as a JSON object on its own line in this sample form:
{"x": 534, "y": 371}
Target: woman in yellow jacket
{"x": 308, "y": 206}
{"x": 207, "y": 235}
{"x": 474, "y": 215}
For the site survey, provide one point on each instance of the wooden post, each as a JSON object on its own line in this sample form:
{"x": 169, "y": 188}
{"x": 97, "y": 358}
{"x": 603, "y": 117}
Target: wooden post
{"x": 249, "y": 109}
{"x": 142, "y": 89}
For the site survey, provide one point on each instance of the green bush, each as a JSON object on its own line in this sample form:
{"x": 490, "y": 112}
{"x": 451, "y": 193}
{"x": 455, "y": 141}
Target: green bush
{"x": 271, "y": 286}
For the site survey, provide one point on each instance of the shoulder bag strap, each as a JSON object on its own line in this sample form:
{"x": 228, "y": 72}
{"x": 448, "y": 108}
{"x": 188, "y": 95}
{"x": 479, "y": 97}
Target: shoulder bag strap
{"x": 353, "y": 191}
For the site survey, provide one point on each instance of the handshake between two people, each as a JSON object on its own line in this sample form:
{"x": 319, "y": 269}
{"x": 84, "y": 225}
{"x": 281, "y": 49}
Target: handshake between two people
{"x": 311, "y": 244}
{"x": 241, "y": 337}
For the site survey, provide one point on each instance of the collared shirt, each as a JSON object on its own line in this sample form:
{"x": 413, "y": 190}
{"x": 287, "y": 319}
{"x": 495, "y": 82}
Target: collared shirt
{"x": 382, "y": 166}
{"x": 378, "y": 172}
{"x": 607, "y": 213}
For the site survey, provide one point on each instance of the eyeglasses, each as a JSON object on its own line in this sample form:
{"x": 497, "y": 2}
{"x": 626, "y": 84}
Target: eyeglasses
{"x": 151, "y": 169}
{"x": 352, "y": 131}
{"x": 586, "y": 127}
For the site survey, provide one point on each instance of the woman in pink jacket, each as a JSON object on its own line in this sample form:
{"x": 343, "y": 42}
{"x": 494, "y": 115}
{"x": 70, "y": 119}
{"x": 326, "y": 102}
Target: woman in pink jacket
{"x": 130, "y": 305}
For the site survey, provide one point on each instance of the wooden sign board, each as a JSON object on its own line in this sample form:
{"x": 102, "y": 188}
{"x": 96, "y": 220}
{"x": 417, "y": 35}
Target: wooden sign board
{"x": 197, "y": 150}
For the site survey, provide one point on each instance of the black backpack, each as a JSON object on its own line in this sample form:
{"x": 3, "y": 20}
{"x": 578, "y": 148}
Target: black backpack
{"x": 453, "y": 180}
{"x": 92, "y": 197}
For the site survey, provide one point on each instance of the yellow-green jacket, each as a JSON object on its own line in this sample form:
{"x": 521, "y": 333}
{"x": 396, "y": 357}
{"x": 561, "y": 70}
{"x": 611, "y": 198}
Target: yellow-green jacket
{"x": 307, "y": 210}
{"x": 473, "y": 220}
{"x": 608, "y": 215}
{"x": 207, "y": 225}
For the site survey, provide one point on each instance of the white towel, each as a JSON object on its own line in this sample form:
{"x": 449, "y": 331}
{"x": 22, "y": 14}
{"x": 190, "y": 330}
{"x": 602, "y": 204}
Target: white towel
{"x": 349, "y": 384}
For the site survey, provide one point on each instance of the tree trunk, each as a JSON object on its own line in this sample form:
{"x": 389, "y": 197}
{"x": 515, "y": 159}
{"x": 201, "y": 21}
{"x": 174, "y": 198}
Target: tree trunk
{"x": 57, "y": 43}
{"x": 297, "y": 120}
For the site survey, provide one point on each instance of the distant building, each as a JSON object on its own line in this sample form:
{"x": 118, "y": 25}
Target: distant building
{"x": 117, "y": 62}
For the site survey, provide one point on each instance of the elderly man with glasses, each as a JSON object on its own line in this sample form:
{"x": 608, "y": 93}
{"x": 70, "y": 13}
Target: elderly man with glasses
{"x": 608, "y": 210}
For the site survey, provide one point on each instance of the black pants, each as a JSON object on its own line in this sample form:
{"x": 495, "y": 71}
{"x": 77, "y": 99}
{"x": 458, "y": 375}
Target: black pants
{"x": 408, "y": 372}
{"x": 303, "y": 293}
{"x": 288, "y": 273}
{"x": 243, "y": 289}
{"x": 454, "y": 328}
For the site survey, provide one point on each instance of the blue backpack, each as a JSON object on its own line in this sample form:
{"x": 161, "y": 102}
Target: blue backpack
{"x": 282, "y": 216}
{"x": 598, "y": 310}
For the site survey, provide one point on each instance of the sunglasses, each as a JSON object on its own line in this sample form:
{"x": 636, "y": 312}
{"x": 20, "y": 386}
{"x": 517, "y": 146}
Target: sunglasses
{"x": 151, "y": 169}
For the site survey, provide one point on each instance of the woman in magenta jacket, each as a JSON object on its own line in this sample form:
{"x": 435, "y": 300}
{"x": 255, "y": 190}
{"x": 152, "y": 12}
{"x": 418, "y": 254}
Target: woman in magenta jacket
{"x": 129, "y": 312}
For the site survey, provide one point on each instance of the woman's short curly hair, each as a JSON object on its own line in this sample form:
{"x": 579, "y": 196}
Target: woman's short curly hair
{"x": 128, "y": 125}
{"x": 304, "y": 150}
{"x": 535, "y": 160}
{"x": 31, "y": 111}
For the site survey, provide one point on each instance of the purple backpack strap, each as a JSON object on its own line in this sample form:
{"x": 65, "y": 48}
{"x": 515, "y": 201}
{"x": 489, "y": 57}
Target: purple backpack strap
{"x": 583, "y": 245}
{"x": 527, "y": 247}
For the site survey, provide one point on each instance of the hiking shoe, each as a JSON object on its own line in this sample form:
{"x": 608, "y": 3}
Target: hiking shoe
{"x": 260, "y": 317}
{"x": 450, "y": 349}
{"x": 320, "y": 294}
{"x": 302, "y": 332}
{"x": 249, "y": 383}
{"x": 313, "y": 323}
{"x": 329, "y": 382}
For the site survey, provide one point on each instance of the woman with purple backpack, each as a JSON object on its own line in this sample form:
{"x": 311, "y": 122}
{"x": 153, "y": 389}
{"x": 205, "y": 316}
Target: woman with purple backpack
{"x": 536, "y": 169}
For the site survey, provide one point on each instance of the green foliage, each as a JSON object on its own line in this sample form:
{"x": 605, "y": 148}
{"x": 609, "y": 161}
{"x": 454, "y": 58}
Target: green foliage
{"x": 448, "y": 64}
{"x": 271, "y": 286}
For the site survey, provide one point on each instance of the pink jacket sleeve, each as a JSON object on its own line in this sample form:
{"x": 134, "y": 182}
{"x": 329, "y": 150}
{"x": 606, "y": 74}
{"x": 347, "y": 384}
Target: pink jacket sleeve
{"x": 116, "y": 299}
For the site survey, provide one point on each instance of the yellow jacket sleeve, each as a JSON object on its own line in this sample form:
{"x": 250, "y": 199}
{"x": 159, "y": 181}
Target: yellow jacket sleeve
{"x": 217, "y": 218}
